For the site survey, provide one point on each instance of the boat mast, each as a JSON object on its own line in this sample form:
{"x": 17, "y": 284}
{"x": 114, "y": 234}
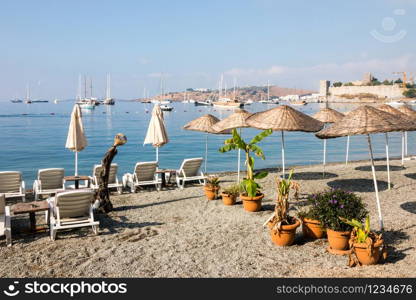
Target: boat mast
{"x": 85, "y": 86}
{"x": 79, "y": 92}
{"x": 91, "y": 87}
{"x": 27, "y": 92}
{"x": 108, "y": 90}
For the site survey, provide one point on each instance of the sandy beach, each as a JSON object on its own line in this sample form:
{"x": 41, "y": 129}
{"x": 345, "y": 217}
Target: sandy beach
{"x": 178, "y": 233}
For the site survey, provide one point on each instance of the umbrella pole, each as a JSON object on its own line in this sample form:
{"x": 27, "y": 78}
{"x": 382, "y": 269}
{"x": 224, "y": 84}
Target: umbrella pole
{"x": 324, "y": 161}
{"x": 157, "y": 154}
{"x": 76, "y": 163}
{"x": 283, "y": 154}
{"x": 348, "y": 149}
{"x": 405, "y": 143}
{"x": 388, "y": 161}
{"x": 239, "y": 161}
{"x": 380, "y": 218}
{"x": 206, "y": 151}
{"x": 402, "y": 148}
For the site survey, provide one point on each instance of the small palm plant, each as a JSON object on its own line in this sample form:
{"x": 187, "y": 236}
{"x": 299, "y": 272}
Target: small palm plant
{"x": 281, "y": 210}
{"x": 248, "y": 185}
{"x": 360, "y": 232}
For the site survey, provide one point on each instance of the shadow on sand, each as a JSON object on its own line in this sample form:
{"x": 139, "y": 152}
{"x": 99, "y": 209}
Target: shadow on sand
{"x": 380, "y": 168}
{"x": 410, "y": 175}
{"x": 312, "y": 175}
{"x": 409, "y": 206}
{"x": 357, "y": 185}
{"x": 392, "y": 238}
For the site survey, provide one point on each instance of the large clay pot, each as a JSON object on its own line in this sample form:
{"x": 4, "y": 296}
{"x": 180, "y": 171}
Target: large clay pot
{"x": 338, "y": 240}
{"x": 366, "y": 256}
{"x": 312, "y": 229}
{"x": 285, "y": 236}
{"x": 211, "y": 192}
{"x": 228, "y": 199}
{"x": 252, "y": 204}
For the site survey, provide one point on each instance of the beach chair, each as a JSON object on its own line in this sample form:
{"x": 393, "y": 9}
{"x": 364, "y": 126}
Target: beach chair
{"x": 5, "y": 228}
{"x": 48, "y": 182}
{"x": 72, "y": 209}
{"x": 144, "y": 174}
{"x": 12, "y": 185}
{"x": 190, "y": 170}
{"x": 112, "y": 179}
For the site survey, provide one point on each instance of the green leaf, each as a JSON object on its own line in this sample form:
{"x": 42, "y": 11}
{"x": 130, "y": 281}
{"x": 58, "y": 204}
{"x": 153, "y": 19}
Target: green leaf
{"x": 225, "y": 148}
{"x": 261, "y": 136}
{"x": 367, "y": 224}
{"x": 260, "y": 175}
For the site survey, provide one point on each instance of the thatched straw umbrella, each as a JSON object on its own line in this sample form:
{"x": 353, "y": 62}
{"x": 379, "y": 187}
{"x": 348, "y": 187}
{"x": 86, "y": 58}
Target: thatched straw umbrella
{"x": 398, "y": 113}
{"x": 204, "y": 124}
{"x": 234, "y": 121}
{"x": 411, "y": 114}
{"x": 284, "y": 118}
{"x": 366, "y": 120}
{"x": 327, "y": 116}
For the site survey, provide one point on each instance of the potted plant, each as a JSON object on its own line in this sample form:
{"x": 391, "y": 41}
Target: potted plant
{"x": 330, "y": 206}
{"x": 311, "y": 226}
{"x": 282, "y": 226}
{"x": 366, "y": 246}
{"x": 229, "y": 195}
{"x": 211, "y": 188}
{"x": 250, "y": 190}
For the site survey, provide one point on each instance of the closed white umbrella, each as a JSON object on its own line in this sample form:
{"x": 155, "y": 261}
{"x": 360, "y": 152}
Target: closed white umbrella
{"x": 76, "y": 140}
{"x": 156, "y": 132}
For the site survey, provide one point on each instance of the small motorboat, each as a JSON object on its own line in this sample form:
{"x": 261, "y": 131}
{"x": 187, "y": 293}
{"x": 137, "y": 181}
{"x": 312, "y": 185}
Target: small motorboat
{"x": 165, "y": 107}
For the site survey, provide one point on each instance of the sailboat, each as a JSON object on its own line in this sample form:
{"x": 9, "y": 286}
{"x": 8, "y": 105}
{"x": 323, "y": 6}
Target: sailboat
{"x": 85, "y": 103}
{"x": 163, "y": 102}
{"x": 225, "y": 102}
{"x": 268, "y": 101}
{"x": 108, "y": 100}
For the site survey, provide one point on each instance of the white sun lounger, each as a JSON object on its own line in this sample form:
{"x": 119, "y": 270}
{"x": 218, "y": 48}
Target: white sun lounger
{"x": 5, "y": 228}
{"x": 72, "y": 209}
{"x": 12, "y": 185}
{"x": 190, "y": 170}
{"x": 144, "y": 174}
{"x": 112, "y": 179}
{"x": 48, "y": 182}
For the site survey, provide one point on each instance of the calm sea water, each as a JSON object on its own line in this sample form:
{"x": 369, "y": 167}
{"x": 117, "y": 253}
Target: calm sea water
{"x": 33, "y": 136}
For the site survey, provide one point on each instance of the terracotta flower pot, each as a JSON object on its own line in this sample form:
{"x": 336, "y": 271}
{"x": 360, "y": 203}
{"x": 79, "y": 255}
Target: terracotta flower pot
{"x": 338, "y": 240}
{"x": 312, "y": 229}
{"x": 228, "y": 199}
{"x": 211, "y": 192}
{"x": 286, "y": 235}
{"x": 368, "y": 256}
{"x": 252, "y": 204}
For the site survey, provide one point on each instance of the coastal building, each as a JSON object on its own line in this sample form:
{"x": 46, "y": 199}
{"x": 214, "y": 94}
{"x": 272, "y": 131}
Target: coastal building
{"x": 361, "y": 89}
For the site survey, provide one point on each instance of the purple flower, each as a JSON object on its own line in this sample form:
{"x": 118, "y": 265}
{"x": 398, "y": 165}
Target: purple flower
{"x": 341, "y": 206}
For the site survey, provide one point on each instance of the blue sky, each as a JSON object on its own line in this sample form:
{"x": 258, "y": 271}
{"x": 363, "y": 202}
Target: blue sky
{"x": 291, "y": 43}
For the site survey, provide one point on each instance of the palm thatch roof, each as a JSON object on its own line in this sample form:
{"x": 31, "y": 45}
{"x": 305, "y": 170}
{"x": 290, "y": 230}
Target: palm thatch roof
{"x": 366, "y": 120}
{"x": 284, "y": 118}
{"x": 328, "y": 115}
{"x": 408, "y": 111}
{"x": 235, "y": 120}
{"x": 204, "y": 124}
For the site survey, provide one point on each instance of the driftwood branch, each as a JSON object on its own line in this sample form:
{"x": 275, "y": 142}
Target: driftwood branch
{"x": 105, "y": 204}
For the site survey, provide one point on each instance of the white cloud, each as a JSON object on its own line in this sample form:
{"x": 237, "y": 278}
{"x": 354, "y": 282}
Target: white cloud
{"x": 158, "y": 75}
{"x": 144, "y": 61}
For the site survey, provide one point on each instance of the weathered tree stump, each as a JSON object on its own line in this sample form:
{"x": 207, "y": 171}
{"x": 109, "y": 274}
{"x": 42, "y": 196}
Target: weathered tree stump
{"x": 105, "y": 204}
